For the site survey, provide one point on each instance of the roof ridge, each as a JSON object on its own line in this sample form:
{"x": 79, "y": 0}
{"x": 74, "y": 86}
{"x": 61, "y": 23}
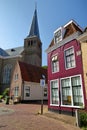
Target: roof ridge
{"x": 32, "y": 65}
{"x": 14, "y": 47}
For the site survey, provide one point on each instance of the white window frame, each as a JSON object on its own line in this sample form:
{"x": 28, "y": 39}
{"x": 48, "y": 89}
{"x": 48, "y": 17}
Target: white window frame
{"x": 59, "y": 37}
{"x": 65, "y": 58}
{"x": 16, "y": 91}
{"x": 57, "y": 70}
{"x": 16, "y": 76}
{"x": 68, "y": 87}
{"x": 51, "y": 94}
{"x": 72, "y": 93}
{"x": 27, "y": 91}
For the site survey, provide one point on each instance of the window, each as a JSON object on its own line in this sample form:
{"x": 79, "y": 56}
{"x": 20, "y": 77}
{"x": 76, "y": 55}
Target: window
{"x": 30, "y": 43}
{"x": 7, "y": 73}
{"x": 34, "y": 41}
{"x": 66, "y": 95}
{"x": 16, "y": 91}
{"x": 58, "y": 36}
{"x": 16, "y": 77}
{"x": 55, "y": 64}
{"x": 54, "y": 97}
{"x": 70, "y": 58}
{"x": 27, "y": 91}
{"x": 77, "y": 92}
{"x": 72, "y": 91}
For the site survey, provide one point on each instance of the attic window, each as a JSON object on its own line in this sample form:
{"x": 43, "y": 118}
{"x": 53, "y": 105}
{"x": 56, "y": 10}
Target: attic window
{"x": 12, "y": 49}
{"x": 58, "y": 35}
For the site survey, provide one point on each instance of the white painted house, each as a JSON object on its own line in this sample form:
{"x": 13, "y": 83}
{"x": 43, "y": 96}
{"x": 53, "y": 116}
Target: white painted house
{"x": 25, "y": 82}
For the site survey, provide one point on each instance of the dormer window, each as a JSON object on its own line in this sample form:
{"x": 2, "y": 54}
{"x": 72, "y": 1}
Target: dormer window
{"x": 58, "y": 35}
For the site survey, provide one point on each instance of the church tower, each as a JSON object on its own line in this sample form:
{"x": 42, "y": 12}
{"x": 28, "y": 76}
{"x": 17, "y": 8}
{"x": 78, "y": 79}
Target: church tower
{"x": 32, "y": 44}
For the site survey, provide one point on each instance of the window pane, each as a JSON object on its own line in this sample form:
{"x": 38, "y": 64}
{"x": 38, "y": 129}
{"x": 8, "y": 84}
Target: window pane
{"x": 75, "y": 81}
{"x": 16, "y": 91}
{"x": 77, "y": 92}
{"x": 66, "y": 95}
{"x": 54, "y": 92}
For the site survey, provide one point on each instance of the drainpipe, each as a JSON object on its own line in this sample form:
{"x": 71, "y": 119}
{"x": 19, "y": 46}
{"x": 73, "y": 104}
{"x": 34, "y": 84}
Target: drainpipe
{"x": 22, "y": 90}
{"x": 59, "y": 102}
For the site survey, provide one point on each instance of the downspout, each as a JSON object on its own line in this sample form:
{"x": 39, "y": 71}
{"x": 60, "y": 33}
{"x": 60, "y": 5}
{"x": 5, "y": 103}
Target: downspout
{"x": 59, "y": 101}
{"x": 22, "y": 90}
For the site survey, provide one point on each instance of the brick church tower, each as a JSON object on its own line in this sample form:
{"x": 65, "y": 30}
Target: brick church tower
{"x": 32, "y": 44}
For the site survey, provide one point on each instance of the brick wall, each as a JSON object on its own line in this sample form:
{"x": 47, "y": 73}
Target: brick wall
{"x": 84, "y": 60}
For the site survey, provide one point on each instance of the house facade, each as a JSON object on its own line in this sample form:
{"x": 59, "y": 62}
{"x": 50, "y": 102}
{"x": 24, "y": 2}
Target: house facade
{"x": 25, "y": 83}
{"x": 67, "y": 69}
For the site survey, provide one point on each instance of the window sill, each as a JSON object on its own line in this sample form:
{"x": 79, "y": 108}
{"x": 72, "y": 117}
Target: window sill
{"x": 54, "y": 104}
{"x": 70, "y": 68}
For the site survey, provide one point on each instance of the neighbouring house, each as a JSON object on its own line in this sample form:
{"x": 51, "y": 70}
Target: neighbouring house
{"x": 25, "y": 82}
{"x": 67, "y": 69}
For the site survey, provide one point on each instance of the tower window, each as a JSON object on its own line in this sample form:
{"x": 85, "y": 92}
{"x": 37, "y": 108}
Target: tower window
{"x": 34, "y": 41}
{"x": 30, "y": 43}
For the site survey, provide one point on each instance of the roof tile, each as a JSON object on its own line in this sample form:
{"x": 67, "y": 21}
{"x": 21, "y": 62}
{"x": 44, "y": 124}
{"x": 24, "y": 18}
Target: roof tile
{"x": 32, "y": 73}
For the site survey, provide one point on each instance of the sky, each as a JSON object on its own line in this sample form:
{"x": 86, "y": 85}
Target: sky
{"x": 16, "y": 17}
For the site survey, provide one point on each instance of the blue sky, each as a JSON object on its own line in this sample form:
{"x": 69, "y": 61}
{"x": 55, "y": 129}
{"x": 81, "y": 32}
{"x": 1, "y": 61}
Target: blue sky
{"x": 16, "y": 17}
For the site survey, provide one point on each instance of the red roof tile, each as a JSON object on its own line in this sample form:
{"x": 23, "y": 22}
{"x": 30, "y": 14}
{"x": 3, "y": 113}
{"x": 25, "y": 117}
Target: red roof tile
{"x": 32, "y": 73}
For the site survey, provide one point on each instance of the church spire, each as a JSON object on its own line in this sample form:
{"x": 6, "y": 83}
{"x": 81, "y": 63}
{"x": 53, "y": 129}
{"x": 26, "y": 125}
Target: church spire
{"x": 34, "y": 29}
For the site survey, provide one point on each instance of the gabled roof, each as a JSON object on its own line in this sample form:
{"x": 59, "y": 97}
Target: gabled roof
{"x": 15, "y": 51}
{"x": 32, "y": 73}
{"x": 70, "y": 28}
{"x": 3, "y": 53}
{"x": 34, "y": 29}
